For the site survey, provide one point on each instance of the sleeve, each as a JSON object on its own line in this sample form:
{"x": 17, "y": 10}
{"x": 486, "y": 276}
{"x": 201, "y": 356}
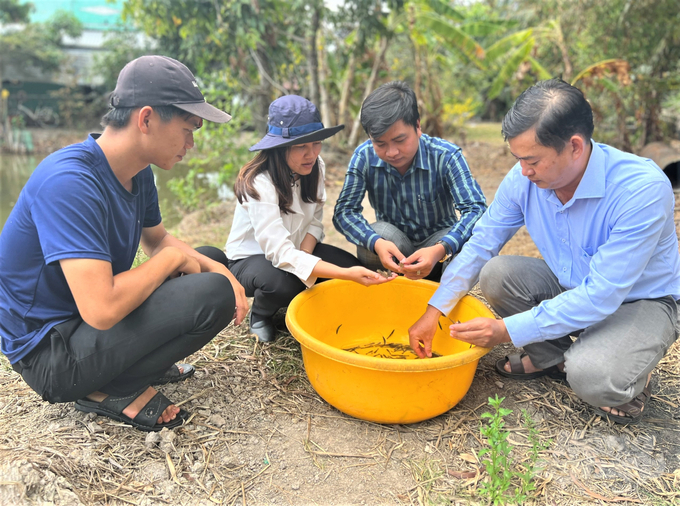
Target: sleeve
{"x": 316, "y": 226}
{"x": 347, "y": 216}
{"x": 636, "y": 227}
{"x": 70, "y": 215}
{"x": 468, "y": 197}
{"x": 495, "y": 228}
{"x": 272, "y": 235}
{"x": 152, "y": 214}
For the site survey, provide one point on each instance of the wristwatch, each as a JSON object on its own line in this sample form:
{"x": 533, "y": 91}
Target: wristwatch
{"x": 447, "y": 251}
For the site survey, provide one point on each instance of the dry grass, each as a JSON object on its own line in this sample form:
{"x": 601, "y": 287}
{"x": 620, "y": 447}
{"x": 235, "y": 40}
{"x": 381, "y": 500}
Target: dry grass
{"x": 231, "y": 451}
{"x": 260, "y": 434}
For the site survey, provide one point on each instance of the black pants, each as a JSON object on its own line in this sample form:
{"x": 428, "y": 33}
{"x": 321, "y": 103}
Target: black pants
{"x": 179, "y": 318}
{"x": 273, "y": 288}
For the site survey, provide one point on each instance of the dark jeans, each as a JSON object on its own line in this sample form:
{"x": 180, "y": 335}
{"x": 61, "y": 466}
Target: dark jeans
{"x": 273, "y": 288}
{"x": 179, "y": 318}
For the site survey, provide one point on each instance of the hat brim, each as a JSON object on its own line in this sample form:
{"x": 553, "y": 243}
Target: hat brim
{"x": 270, "y": 141}
{"x": 206, "y": 111}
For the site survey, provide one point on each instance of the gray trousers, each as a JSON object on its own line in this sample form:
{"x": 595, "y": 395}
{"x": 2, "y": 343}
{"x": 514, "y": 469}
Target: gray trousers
{"x": 391, "y": 233}
{"x": 609, "y": 362}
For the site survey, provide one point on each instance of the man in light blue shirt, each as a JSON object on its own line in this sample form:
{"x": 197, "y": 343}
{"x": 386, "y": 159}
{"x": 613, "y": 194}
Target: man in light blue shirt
{"x": 603, "y": 222}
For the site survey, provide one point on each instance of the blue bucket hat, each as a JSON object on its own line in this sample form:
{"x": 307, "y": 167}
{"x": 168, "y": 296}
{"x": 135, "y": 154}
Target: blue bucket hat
{"x": 293, "y": 120}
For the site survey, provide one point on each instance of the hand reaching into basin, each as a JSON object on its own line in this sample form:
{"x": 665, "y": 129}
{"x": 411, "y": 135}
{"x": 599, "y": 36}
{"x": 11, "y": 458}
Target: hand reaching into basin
{"x": 421, "y": 333}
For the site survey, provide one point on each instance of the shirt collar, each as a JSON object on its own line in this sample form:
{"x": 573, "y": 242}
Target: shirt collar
{"x": 592, "y": 183}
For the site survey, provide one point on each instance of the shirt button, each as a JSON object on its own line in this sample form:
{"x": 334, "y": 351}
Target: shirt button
{"x": 564, "y": 240}
{"x": 564, "y": 269}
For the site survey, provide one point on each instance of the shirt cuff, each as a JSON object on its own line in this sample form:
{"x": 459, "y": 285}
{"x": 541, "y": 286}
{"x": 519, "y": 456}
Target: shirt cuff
{"x": 523, "y": 329}
{"x": 371, "y": 242}
{"x": 316, "y": 232}
{"x": 443, "y": 300}
{"x": 305, "y": 268}
{"x": 452, "y": 242}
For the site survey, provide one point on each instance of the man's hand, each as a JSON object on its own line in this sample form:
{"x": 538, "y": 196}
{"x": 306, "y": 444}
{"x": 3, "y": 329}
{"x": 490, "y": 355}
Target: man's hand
{"x": 485, "y": 332}
{"x": 422, "y": 332}
{"x": 388, "y": 251}
{"x": 239, "y": 291}
{"x": 189, "y": 266}
{"x": 421, "y": 263}
{"x": 367, "y": 277}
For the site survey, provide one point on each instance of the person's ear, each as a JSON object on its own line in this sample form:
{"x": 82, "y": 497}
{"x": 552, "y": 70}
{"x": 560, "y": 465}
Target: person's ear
{"x": 144, "y": 118}
{"x": 578, "y": 146}
{"x": 418, "y": 130}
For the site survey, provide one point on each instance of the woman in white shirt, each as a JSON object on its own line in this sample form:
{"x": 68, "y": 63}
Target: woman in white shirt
{"x": 274, "y": 247}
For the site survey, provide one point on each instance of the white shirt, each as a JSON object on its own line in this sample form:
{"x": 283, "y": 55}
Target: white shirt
{"x": 259, "y": 227}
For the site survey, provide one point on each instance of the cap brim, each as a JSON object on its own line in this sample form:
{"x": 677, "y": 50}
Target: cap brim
{"x": 206, "y": 111}
{"x": 270, "y": 141}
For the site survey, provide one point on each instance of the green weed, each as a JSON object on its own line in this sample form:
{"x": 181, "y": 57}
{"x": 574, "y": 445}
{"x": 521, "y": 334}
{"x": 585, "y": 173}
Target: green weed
{"x": 506, "y": 483}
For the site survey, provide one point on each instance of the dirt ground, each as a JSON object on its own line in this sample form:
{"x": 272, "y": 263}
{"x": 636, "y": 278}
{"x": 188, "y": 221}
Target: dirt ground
{"x": 260, "y": 434}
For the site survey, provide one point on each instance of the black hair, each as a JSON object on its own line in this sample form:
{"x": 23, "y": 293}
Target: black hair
{"x": 274, "y": 162}
{"x": 388, "y": 104}
{"x": 119, "y": 117}
{"x": 556, "y": 109}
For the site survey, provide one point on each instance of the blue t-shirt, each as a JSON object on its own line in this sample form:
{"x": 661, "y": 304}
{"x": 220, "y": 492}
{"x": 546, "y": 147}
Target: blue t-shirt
{"x": 72, "y": 206}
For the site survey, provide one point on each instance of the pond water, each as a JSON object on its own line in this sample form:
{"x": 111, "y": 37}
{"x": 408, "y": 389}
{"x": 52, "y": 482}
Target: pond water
{"x": 16, "y": 169}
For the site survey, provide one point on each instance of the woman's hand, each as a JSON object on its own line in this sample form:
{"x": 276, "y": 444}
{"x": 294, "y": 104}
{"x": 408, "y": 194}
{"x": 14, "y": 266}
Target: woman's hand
{"x": 366, "y": 277}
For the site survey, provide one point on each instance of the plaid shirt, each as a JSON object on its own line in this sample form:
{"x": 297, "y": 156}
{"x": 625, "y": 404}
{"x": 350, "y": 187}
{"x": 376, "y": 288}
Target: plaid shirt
{"x": 419, "y": 203}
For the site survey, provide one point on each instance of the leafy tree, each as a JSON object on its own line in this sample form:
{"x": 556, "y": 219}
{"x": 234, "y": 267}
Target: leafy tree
{"x": 33, "y": 44}
{"x": 255, "y": 41}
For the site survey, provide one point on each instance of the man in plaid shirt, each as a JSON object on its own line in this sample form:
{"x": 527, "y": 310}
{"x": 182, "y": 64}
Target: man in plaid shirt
{"x": 415, "y": 184}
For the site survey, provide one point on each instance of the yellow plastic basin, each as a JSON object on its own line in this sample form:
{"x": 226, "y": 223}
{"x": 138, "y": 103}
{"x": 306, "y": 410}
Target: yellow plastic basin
{"x": 336, "y": 315}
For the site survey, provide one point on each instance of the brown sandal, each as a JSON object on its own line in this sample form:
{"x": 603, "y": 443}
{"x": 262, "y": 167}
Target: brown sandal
{"x": 517, "y": 369}
{"x": 633, "y": 409}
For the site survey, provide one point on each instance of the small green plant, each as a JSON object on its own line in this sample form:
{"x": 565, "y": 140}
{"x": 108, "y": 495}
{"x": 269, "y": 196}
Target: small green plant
{"x": 527, "y": 477}
{"x": 499, "y": 463}
{"x": 496, "y": 458}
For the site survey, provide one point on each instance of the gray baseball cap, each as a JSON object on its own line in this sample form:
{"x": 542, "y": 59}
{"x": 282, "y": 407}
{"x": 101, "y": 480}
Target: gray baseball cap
{"x": 160, "y": 81}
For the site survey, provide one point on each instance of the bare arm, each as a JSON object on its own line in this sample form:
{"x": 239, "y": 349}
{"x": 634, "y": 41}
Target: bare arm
{"x": 308, "y": 243}
{"x": 104, "y": 299}
{"x": 357, "y": 274}
{"x": 155, "y": 239}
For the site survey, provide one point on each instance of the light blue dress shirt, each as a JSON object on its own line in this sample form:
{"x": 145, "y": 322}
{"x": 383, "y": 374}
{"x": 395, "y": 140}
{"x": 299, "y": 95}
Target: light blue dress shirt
{"x": 613, "y": 242}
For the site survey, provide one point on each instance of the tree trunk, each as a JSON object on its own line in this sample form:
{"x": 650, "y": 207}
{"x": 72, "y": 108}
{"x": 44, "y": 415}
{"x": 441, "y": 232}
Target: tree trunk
{"x": 344, "y": 95}
{"x": 417, "y": 64}
{"x": 312, "y": 60}
{"x": 326, "y": 114}
{"x": 264, "y": 93}
{"x": 384, "y": 42}
{"x": 568, "y": 68}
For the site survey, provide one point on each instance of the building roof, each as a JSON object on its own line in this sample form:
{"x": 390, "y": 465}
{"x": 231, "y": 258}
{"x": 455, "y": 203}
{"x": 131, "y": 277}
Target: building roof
{"x": 99, "y": 15}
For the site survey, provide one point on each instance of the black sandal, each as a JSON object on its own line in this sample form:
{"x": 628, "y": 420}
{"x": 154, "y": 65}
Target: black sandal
{"x": 517, "y": 369}
{"x": 173, "y": 375}
{"x": 147, "y": 418}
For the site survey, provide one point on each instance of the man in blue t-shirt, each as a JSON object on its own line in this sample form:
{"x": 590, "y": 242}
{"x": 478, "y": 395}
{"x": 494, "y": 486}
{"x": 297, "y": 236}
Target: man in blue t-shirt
{"x": 75, "y": 320}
